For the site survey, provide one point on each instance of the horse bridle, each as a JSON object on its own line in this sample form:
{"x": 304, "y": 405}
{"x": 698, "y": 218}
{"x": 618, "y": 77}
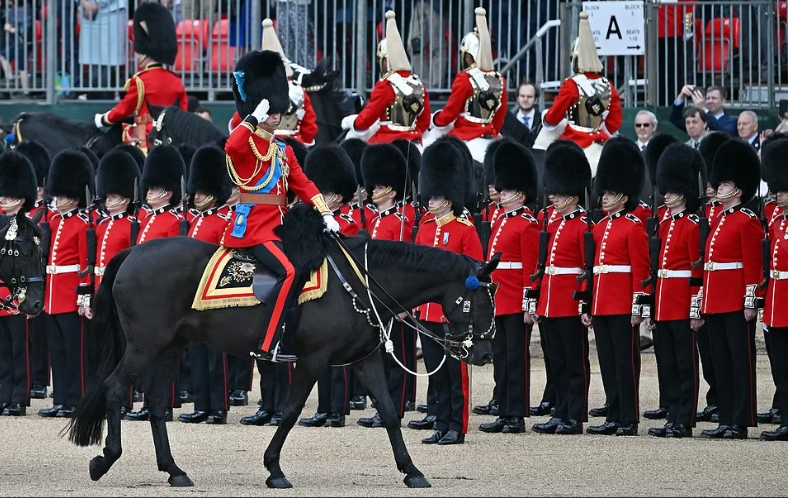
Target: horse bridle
{"x": 157, "y": 126}
{"x": 465, "y": 340}
{"x": 18, "y": 289}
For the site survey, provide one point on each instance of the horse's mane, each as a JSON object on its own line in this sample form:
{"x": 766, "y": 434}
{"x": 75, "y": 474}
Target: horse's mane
{"x": 53, "y": 120}
{"x": 419, "y": 258}
{"x": 187, "y": 127}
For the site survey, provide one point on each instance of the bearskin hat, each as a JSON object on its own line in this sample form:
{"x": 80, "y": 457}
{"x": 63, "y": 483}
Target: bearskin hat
{"x": 677, "y": 172}
{"x": 384, "y": 165}
{"x": 736, "y": 161}
{"x": 117, "y": 174}
{"x": 566, "y": 169}
{"x": 656, "y": 146}
{"x": 18, "y": 179}
{"x": 515, "y": 169}
{"x": 331, "y": 170}
{"x": 154, "y": 33}
{"x": 355, "y": 148}
{"x": 208, "y": 174}
{"x": 709, "y": 146}
{"x": 164, "y": 168}
{"x": 412, "y": 156}
{"x": 471, "y": 198}
{"x": 444, "y": 174}
{"x": 187, "y": 153}
{"x": 71, "y": 172}
{"x": 134, "y": 152}
{"x": 621, "y": 169}
{"x": 774, "y": 161}
{"x": 489, "y": 164}
{"x": 260, "y": 74}
{"x": 39, "y": 157}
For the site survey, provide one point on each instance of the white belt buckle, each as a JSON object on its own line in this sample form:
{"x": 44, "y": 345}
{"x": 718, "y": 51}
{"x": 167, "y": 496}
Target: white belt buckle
{"x": 602, "y": 269}
{"x": 551, "y": 270}
{"x": 52, "y": 269}
{"x": 709, "y": 266}
{"x": 662, "y": 273}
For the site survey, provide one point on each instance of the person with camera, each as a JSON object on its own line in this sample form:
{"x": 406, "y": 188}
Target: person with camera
{"x": 712, "y": 103}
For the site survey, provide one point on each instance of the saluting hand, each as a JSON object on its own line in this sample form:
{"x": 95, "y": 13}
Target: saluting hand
{"x": 261, "y": 111}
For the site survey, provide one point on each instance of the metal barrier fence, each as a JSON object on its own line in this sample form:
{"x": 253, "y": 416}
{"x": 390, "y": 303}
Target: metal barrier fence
{"x": 85, "y": 49}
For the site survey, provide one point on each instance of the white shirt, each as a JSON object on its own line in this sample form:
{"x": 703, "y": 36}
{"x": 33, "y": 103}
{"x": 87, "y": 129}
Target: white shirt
{"x": 641, "y": 145}
{"x": 531, "y": 115}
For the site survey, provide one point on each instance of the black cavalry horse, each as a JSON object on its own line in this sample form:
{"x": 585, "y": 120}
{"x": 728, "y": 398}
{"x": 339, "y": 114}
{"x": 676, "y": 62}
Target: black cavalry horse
{"x": 144, "y": 314}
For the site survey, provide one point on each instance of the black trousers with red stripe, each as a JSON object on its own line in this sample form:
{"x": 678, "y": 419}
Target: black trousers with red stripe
{"x": 707, "y": 363}
{"x": 549, "y": 395}
{"x": 270, "y": 254}
{"x": 667, "y": 396}
{"x": 779, "y": 346}
{"x": 14, "y": 360}
{"x": 209, "y": 378}
{"x": 767, "y": 339}
{"x": 568, "y": 347}
{"x": 67, "y": 350}
{"x": 433, "y": 354}
{"x": 240, "y": 372}
{"x": 733, "y": 351}
{"x": 333, "y": 391}
{"x": 452, "y": 390}
{"x": 511, "y": 354}
{"x": 39, "y": 352}
{"x": 404, "y": 341}
{"x": 618, "y": 347}
{"x": 679, "y": 364}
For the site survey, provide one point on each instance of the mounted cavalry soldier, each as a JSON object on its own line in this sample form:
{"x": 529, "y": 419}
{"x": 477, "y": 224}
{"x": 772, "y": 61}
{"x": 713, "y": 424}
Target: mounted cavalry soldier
{"x": 69, "y": 178}
{"x": 156, "y": 46}
{"x": 17, "y": 193}
{"x": 399, "y": 107}
{"x": 265, "y": 169}
{"x": 300, "y": 120}
{"x": 477, "y": 105}
{"x": 587, "y": 110}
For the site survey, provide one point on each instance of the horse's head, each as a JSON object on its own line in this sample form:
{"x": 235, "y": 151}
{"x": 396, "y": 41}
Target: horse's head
{"x": 21, "y": 268}
{"x": 471, "y": 316}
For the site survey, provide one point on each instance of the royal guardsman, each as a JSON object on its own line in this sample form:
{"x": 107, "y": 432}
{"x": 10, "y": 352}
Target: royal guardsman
{"x": 161, "y": 182}
{"x": 733, "y": 268}
{"x": 621, "y": 265}
{"x": 775, "y": 315}
{"x": 265, "y": 168}
{"x": 17, "y": 193}
{"x": 476, "y": 108}
{"x": 156, "y": 46}
{"x": 587, "y": 107}
{"x": 68, "y": 183}
{"x": 300, "y": 120}
{"x": 515, "y": 235}
{"x": 676, "y": 317}
{"x": 708, "y": 148}
{"x": 333, "y": 173}
{"x": 384, "y": 170}
{"x": 567, "y": 178}
{"x": 360, "y": 209}
{"x": 39, "y": 354}
{"x": 399, "y": 106}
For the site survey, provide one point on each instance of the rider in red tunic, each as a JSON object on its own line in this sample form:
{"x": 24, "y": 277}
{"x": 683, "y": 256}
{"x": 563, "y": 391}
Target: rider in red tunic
{"x": 265, "y": 169}
{"x": 156, "y": 46}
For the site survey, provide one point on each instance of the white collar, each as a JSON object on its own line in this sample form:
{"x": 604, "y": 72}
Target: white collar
{"x": 521, "y": 115}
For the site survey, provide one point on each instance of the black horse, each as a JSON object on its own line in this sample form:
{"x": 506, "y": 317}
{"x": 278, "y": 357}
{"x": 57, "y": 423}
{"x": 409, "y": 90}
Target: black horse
{"x": 144, "y": 313}
{"x": 174, "y": 126}
{"x": 21, "y": 268}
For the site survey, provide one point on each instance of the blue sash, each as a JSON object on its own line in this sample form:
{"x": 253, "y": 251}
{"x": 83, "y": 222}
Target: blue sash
{"x": 243, "y": 210}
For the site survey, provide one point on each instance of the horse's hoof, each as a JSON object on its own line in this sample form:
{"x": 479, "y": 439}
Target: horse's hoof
{"x": 181, "y": 481}
{"x": 97, "y": 468}
{"x": 278, "y": 482}
{"x": 417, "y": 482}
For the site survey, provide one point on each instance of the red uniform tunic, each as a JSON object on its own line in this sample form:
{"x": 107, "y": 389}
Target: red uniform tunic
{"x": 162, "y": 223}
{"x": 568, "y": 97}
{"x": 462, "y": 91}
{"x": 154, "y": 86}
{"x": 254, "y": 224}
{"x": 390, "y": 225}
{"x": 735, "y": 243}
{"x": 307, "y": 126}
{"x": 376, "y": 110}
{"x": 67, "y": 257}
{"x": 680, "y": 236}
{"x": 113, "y": 235}
{"x": 713, "y": 209}
{"x": 453, "y": 234}
{"x": 347, "y": 225}
{"x": 643, "y": 212}
{"x": 620, "y": 265}
{"x": 775, "y": 312}
{"x": 564, "y": 264}
{"x": 210, "y": 225}
{"x": 516, "y": 236}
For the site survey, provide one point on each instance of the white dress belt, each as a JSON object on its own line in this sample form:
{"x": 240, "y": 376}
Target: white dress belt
{"x": 598, "y": 270}
{"x": 674, "y": 274}
{"x": 509, "y": 265}
{"x": 779, "y": 275}
{"x": 712, "y": 266}
{"x": 557, "y": 270}
{"x": 55, "y": 269}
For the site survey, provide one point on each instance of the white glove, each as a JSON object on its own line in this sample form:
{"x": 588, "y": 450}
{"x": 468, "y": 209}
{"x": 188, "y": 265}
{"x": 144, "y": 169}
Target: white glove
{"x": 261, "y": 111}
{"x": 98, "y": 120}
{"x": 348, "y": 121}
{"x": 331, "y": 223}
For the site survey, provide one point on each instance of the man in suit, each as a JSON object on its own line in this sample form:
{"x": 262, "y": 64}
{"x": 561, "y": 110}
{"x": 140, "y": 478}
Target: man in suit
{"x": 747, "y": 126}
{"x": 696, "y": 124}
{"x": 645, "y": 128}
{"x": 527, "y": 112}
{"x": 712, "y": 104}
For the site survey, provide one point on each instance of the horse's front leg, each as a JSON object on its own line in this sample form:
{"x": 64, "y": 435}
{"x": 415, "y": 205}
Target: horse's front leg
{"x": 306, "y": 373}
{"x": 371, "y": 374}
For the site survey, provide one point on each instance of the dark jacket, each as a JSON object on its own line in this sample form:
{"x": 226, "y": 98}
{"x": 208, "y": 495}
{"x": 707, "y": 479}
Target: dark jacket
{"x": 725, "y": 123}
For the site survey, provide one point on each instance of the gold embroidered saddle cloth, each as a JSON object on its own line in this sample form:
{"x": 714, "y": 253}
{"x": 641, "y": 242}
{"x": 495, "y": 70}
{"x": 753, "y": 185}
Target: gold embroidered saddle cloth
{"x": 235, "y": 278}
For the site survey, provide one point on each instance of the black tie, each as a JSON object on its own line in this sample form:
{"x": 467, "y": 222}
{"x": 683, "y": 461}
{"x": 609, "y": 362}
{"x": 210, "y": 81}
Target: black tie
{"x": 696, "y": 144}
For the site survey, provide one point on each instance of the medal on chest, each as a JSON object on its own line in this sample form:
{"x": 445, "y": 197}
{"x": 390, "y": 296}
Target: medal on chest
{"x": 446, "y": 238}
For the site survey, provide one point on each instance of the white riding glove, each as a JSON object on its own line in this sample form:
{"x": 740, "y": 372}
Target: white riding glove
{"x": 331, "y": 223}
{"x": 261, "y": 111}
{"x": 349, "y": 121}
{"x": 98, "y": 120}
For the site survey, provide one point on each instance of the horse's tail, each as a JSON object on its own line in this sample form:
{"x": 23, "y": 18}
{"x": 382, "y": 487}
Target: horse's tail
{"x": 87, "y": 426}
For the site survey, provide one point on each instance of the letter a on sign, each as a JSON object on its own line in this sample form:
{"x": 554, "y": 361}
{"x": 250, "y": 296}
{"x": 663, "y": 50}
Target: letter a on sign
{"x": 613, "y": 29}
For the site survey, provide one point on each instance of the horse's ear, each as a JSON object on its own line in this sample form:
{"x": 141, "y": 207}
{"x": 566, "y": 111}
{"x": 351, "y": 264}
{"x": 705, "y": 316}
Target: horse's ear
{"x": 37, "y": 217}
{"x": 487, "y": 269}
